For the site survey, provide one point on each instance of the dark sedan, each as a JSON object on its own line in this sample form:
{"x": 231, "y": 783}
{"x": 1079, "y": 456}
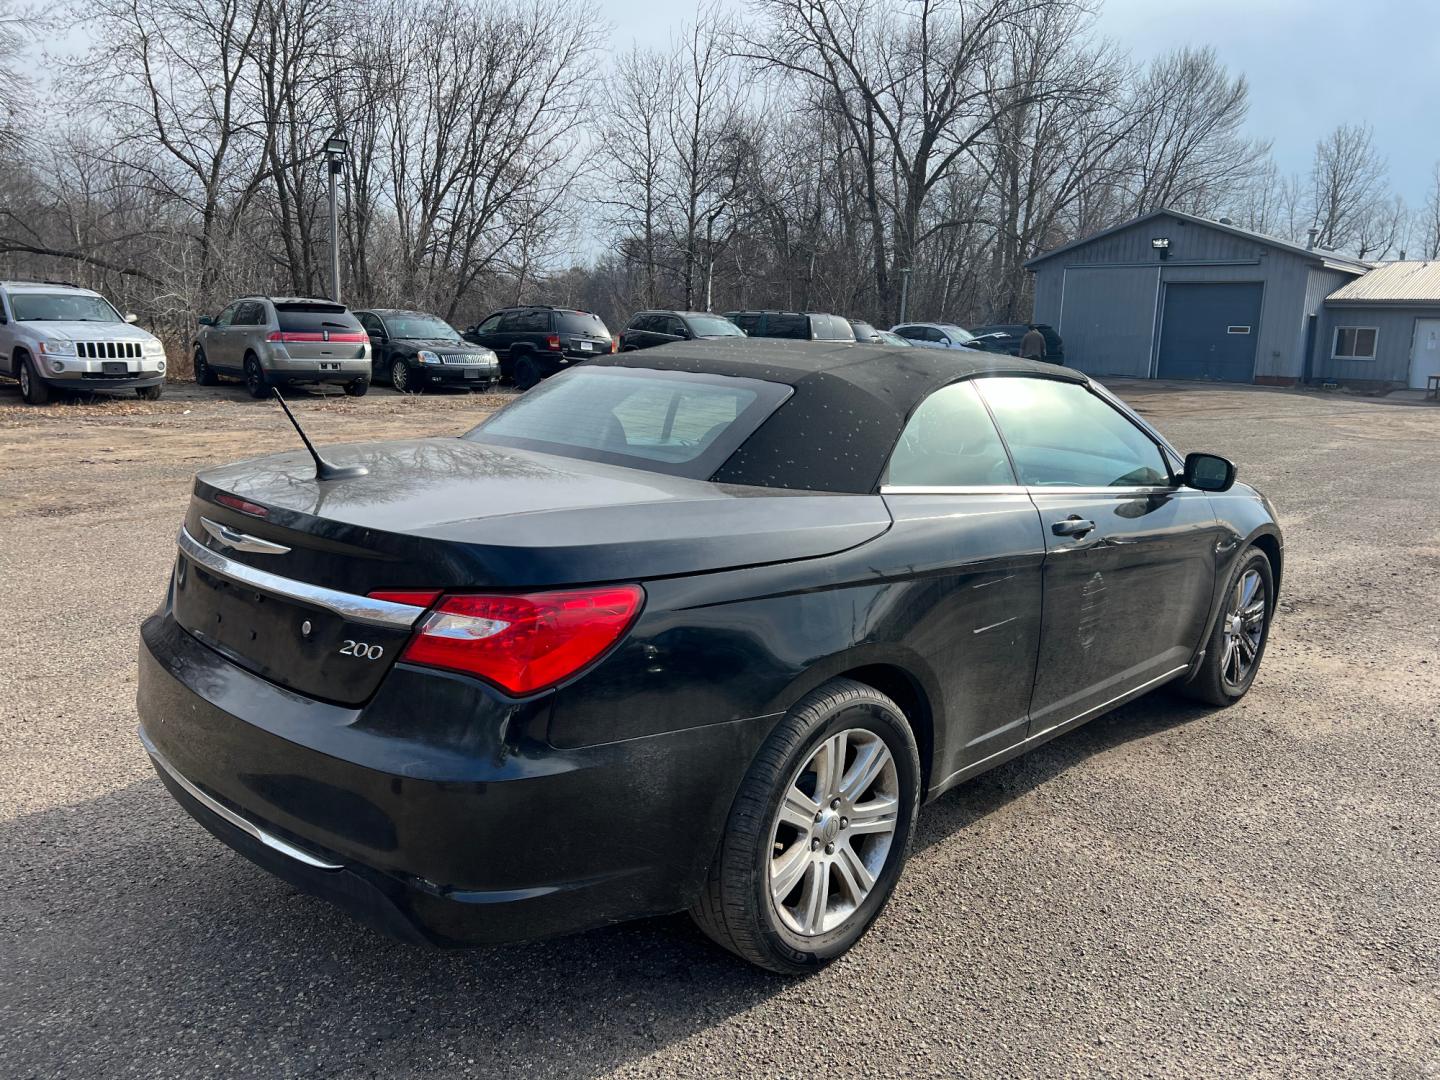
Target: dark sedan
{"x": 663, "y": 634}
{"x": 412, "y": 350}
{"x": 1007, "y": 337}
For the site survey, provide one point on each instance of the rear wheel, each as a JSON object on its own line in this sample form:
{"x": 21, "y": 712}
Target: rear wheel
{"x": 150, "y": 393}
{"x": 818, "y": 833}
{"x": 1237, "y": 643}
{"x": 527, "y": 372}
{"x": 357, "y": 388}
{"x": 32, "y": 389}
{"x": 204, "y": 373}
{"x": 255, "y": 380}
{"x": 400, "y": 377}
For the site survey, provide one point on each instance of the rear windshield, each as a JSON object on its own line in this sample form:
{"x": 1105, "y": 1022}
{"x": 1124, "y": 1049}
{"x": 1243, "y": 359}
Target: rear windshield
{"x": 787, "y": 326}
{"x": 714, "y": 326}
{"x": 664, "y": 421}
{"x": 316, "y": 317}
{"x": 581, "y": 322}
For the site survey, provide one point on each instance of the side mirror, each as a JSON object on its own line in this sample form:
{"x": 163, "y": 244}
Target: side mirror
{"x": 683, "y": 334}
{"x": 131, "y": 317}
{"x": 1209, "y": 472}
{"x": 206, "y": 320}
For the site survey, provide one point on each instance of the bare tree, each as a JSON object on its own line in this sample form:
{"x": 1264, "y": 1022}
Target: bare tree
{"x": 1428, "y": 221}
{"x": 1347, "y": 180}
{"x": 1187, "y": 143}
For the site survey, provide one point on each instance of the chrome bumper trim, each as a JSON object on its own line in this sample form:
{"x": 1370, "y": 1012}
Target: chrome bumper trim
{"x": 272, "y": 842}
{"x": 346, "y": 605}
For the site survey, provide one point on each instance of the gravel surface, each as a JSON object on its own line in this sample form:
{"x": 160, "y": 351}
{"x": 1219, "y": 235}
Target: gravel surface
{"x": 1170, "y": 891}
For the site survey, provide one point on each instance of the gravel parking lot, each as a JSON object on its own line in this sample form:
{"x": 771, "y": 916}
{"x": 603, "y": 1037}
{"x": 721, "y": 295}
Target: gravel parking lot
{"x": 1170, "y": 891}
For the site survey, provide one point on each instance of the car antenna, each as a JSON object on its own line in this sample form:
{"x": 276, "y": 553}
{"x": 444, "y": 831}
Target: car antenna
{"x": 324, "y": 470}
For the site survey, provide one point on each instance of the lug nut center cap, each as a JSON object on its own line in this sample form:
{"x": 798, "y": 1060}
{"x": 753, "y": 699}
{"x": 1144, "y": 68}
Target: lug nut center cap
{"x": 828, "y": 827}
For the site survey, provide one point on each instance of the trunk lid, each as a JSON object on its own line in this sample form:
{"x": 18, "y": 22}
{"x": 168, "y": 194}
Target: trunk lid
{"x": 446, "y": 514}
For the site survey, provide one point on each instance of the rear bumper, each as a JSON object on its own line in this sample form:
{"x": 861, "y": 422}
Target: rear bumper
{"x": 472, "y": 830}
{"x": 283, "y": 369}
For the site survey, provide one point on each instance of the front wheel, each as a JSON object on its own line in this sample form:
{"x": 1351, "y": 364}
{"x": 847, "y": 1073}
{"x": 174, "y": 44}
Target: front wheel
{"x": 400, "y": 377}
{"x": 204, "y": 373}
{"x": 32, "y": 387}
{"x": 149, "y": 393}
{"x": 1237, "y": 642}
{"x": 818, "y": 833}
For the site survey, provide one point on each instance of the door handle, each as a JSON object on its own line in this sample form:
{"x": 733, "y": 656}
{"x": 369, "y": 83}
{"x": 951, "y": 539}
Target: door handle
{"x": 1074, "y": 525}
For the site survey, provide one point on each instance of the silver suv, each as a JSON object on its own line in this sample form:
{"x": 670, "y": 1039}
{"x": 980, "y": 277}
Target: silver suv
{"x": 278, "y": 340}
{"x": 56, "y": 336}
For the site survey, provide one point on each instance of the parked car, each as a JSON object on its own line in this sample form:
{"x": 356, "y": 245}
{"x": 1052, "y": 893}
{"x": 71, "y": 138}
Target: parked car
{"x": 596, "y": 660}
{"x": 413, "y": 349}
{"x": 535, "y": 342}
{"x": 57, "y": 336}
{"x": 282, "y": 341}
{"x": 865, "y": 334}
{"x": 807, "y": 326}
{"x": 649, "y": 328}
{"x": 1007, "y": 337}
{"x": 936, "y": 335}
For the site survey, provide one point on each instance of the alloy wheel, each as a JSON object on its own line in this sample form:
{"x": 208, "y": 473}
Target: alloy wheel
{"x": 833, "y": 832}
{"x": 400, "y": 376}
{"x": 25, "y": 380}
{"x": 1244, "y": 628}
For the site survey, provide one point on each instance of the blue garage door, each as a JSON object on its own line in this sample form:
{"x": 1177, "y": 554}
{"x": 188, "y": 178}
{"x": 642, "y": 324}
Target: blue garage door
{"x": 1210, "y": 332}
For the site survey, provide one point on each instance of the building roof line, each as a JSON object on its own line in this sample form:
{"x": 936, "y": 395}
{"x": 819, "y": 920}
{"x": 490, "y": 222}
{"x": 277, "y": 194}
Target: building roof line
{"x": 1330, "y": 259}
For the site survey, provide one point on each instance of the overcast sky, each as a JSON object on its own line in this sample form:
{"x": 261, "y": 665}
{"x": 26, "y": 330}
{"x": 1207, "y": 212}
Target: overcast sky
{"x": 1312, "y": 64}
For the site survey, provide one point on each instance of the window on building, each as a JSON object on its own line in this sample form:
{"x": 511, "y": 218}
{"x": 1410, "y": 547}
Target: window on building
{"x": 1354, "y": 343}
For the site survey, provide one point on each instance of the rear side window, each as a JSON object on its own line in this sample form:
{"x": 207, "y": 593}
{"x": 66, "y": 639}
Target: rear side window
{"x": 1062, "y": 435}
{"x": 663, "y": 421}
{"x": 950, "y": 441}
{"x": 580, "y": 322}
{"x": 749, "y": 323}
{"x": 250, "y": 313}
{"x": 300, "y": 317}
{"x": 525, "y": 322}
{"x": 787, "y": 326}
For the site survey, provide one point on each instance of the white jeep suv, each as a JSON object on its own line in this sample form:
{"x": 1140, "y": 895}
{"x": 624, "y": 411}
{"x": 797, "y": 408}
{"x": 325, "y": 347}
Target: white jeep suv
{"x": 55, "y": 336}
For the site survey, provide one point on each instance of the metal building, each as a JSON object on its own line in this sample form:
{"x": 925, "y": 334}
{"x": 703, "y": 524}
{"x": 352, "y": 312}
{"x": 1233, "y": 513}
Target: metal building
{"x": 1170, "y": 295}
{"x": 1382, "y": 330}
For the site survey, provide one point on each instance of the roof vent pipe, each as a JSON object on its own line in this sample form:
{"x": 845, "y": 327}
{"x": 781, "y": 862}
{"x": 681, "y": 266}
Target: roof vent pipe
{"x": 1313, "y": 234}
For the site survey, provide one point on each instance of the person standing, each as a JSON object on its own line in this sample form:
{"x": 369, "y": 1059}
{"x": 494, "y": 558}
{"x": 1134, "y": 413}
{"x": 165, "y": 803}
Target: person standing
{"x": 1032, "y": 345}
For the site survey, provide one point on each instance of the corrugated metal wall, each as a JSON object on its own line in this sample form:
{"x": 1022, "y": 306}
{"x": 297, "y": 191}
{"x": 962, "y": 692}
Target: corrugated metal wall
{"x": 1111, "y": 283}
{"x": 1396, "y": 333}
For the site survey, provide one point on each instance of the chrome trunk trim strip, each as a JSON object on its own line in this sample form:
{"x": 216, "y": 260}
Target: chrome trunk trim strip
{"x": 346, "y": 605}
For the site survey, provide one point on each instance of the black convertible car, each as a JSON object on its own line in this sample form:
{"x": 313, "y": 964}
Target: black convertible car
{"x": 697, "y": 627}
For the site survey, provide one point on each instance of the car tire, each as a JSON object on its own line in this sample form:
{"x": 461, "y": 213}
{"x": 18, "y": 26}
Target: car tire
{"x": 1234, "y": 650}
{"x": 32, "y": 388}
{"x": 150, "y": 393}
{"x": 526, "y": 372}
{"x": 204, "y": 373}
{"x": 255, "y": 379}
{"x": 400, "y": 378}
{"x": 358, "y": 388}
{"x": 742, "y": 906}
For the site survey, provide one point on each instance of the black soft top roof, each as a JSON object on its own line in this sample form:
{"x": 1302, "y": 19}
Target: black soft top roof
{"x": 851, "y": 401}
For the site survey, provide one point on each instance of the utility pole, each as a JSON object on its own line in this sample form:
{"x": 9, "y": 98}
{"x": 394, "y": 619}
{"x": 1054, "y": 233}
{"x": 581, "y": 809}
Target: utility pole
{"x": 335, "y": 160}
{"x": 904, "y": 291}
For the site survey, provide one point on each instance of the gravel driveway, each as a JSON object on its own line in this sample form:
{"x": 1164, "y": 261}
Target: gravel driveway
{"x": 1169, "y": 891}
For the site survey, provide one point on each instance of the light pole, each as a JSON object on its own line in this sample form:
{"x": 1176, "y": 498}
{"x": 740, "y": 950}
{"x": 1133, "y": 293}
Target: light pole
{"x": 904, "y": 291}
{"x": 335, "y": 160}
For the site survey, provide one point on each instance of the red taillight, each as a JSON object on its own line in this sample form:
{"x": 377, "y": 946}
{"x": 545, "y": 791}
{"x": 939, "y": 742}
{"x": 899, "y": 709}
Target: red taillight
{"x": 614, "y": 345}
{"x": 413, "y": 597}
{"x": 243, "y": 505}
{"x": 317, "y": 335}
{"x": 553, "y": 342}
{"x": 524, "y": 643}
